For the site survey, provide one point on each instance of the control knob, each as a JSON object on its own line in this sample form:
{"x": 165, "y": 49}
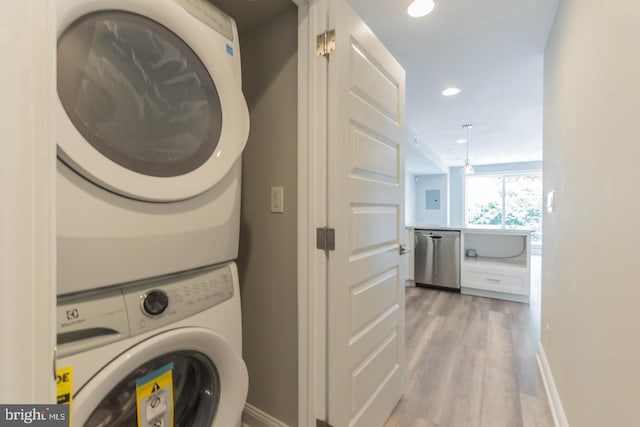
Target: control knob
{"x": 155, "y": 303}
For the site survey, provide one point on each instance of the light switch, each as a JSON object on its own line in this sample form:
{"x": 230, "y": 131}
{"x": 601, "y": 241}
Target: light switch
{"x": 550, "y": 201}
{"x": 277, "y": 199}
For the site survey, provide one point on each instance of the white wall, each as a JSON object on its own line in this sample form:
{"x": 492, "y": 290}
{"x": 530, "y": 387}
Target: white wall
{"x": 456, "y": 197}
{"x": 426, "y": 216}
{"x": 410, "y": 199}
{"x": 590, "y": 285}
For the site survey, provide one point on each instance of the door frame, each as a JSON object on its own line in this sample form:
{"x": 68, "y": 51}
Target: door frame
{"x": 28, "y": 242}
{"x": 312, "y": 264}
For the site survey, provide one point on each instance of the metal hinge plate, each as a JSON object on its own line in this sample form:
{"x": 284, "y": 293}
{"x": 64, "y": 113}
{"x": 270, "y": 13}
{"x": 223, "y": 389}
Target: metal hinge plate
{"x": 320, "y": 423}
{"x": 326, "y": 238}
{"x": 326, "y": 43}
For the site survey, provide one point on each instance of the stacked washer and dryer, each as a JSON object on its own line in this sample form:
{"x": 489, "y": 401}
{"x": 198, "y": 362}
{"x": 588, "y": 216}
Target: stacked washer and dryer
{"x": 151, "y": 124}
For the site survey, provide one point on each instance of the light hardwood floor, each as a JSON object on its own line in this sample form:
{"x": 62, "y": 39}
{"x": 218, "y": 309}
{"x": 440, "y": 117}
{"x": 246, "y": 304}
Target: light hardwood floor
{"x": 471, "y": 361}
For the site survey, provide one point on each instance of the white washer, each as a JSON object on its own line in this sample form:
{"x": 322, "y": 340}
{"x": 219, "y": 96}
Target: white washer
{"x": 189, "y": 323}
{"x": 151, "y": 124}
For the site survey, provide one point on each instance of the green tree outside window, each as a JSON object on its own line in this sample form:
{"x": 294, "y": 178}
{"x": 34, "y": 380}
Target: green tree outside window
{"x": 505, "y": 201}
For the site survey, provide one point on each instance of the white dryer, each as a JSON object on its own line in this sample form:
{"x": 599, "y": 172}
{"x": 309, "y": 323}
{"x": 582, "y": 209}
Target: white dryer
{"x": 183, "y": 330}
{"x": 151, "y": 124}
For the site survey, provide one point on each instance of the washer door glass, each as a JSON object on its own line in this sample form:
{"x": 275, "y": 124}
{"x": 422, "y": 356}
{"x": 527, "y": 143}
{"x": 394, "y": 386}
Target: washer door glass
{"x": 196, "y": 393}
{"x": 138, "y": 94}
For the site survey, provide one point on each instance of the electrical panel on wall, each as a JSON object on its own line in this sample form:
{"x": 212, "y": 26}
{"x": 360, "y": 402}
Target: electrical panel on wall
{"x": 433, "y": 199}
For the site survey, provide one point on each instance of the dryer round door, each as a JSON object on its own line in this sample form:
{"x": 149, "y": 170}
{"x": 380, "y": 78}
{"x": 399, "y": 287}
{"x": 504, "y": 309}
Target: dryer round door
{"x": 149, "y": 102}
{"x": 209, "y": 383}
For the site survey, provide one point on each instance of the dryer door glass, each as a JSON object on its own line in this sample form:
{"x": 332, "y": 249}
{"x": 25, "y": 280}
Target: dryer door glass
{"x": 196, "y": 393}
{"x": 138, "y": 94}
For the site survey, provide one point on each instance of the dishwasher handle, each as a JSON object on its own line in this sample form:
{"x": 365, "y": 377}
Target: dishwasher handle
{"x": 434, "y": 244}
{"x": 436, "y": 250}
{"x": 429, "y": 235}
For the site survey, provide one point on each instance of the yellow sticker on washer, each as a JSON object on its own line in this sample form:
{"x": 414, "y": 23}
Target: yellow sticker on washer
{"x": 64, "y": 387}
{"x": 154, "y": 398}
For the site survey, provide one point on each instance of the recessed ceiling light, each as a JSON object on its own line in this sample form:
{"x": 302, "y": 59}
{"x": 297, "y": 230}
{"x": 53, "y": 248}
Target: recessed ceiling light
{"x": 419, "y": 8}
{"x": 461, "y": 141}
{"x": 450, "y": 91}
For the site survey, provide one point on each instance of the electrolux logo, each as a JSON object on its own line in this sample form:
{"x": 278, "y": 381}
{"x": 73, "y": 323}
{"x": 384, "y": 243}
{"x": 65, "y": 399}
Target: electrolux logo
{"x": 38, "y": 415}
{"x": 73, "y": 318}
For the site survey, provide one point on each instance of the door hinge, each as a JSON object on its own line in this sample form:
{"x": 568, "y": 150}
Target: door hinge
{"x": 326, "y": 238}
{"x": 320, "y": 423}
{"x": 326, "y": 43}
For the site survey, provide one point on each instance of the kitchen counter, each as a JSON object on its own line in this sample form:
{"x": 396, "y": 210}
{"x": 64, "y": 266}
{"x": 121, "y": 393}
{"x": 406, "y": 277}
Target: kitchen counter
{"x": 468, "y": 229}
{"x": 501, "y": 269}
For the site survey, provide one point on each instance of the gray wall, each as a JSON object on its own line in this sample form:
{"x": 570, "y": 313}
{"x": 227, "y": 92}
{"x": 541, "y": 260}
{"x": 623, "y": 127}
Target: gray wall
{"x": 268, "y": 250}
{"x": 456, "y": 189}
{"x": 426, "y": 216}
{"x": 590, "y": 286}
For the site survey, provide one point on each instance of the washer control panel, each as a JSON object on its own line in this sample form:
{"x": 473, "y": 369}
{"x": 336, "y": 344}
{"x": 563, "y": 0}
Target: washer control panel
{"x": 97, "y": 318}
{"x": 162, "y": 302}
{"x": 86, "y": 322}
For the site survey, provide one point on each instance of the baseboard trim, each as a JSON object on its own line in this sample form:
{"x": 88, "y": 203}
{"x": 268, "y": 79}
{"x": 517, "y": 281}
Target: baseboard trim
{"x": 524, "y": 299}
{"x": 254, "y": 417}
{"x": 555, "y": 404}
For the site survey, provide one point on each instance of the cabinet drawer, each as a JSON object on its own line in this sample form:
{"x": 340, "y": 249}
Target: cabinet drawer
{"x": 495, "y": 281}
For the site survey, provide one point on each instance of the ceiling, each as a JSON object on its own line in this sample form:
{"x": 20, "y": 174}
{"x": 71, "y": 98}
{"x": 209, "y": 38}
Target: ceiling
{"x": 491, "y": 49}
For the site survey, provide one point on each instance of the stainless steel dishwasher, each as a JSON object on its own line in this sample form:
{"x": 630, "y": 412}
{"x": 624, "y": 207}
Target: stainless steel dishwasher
{"x": 437, "y": 258}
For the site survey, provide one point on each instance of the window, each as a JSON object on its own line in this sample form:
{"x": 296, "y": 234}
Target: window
{"x": 508, "y": 201}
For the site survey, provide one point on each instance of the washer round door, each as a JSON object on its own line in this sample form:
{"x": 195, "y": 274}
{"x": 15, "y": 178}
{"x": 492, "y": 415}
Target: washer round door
{"x": 149, "y": 101}
{"x": 209, "y": 382}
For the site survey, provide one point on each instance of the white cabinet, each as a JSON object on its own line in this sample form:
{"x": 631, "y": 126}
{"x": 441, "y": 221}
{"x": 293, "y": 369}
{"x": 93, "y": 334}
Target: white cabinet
{"x": 499, "y": 265}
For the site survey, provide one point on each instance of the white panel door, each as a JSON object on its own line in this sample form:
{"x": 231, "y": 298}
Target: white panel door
{"x": 366, "y": 207}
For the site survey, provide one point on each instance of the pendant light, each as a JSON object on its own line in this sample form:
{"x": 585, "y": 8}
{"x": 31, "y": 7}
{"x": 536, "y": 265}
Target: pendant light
{"x": 468, "y": 169}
